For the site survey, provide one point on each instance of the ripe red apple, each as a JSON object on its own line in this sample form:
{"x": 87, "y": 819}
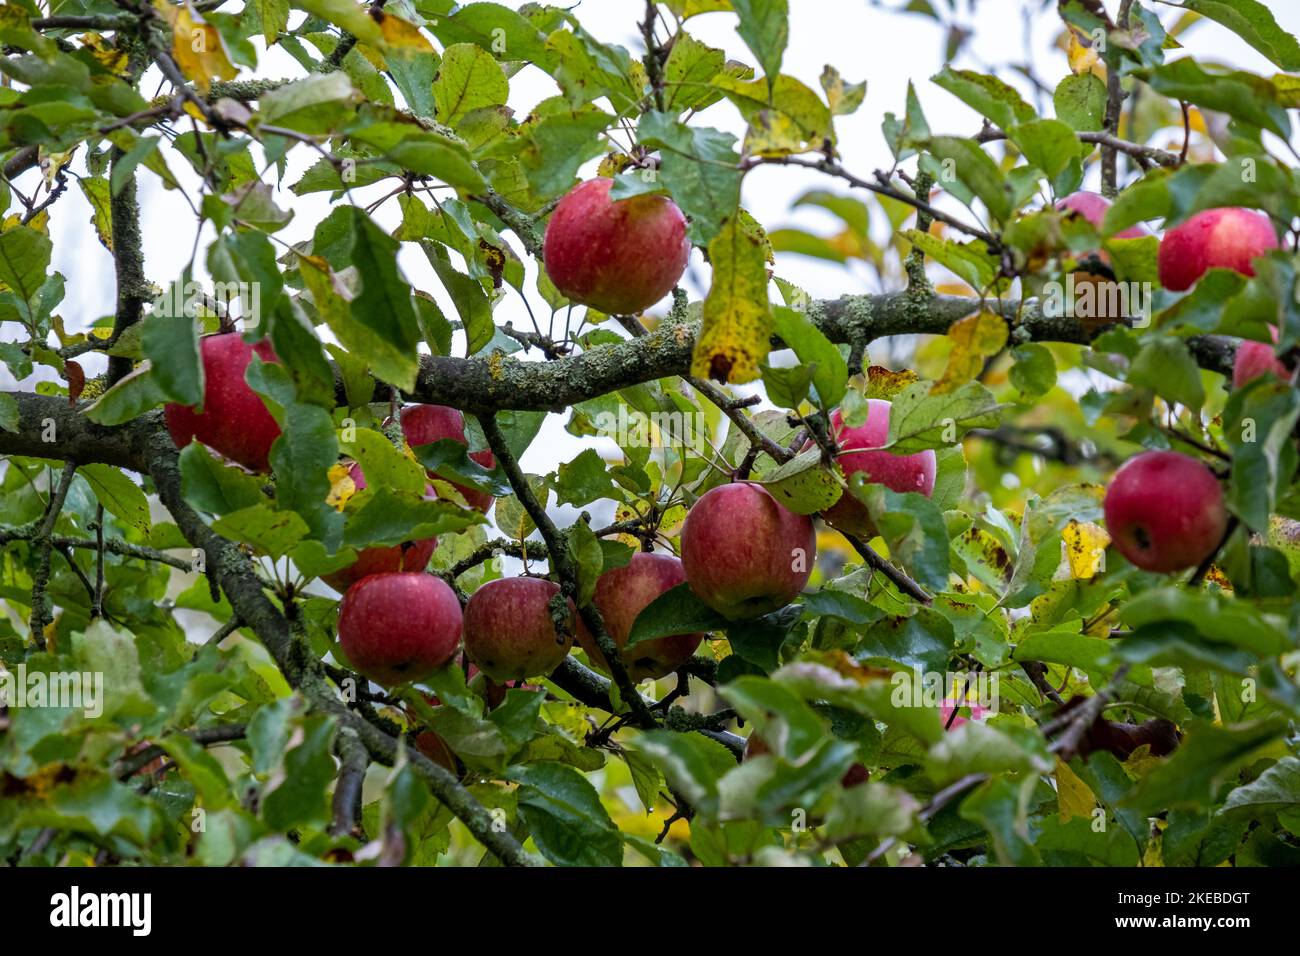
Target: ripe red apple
{"x": 407, "y": 556}
{"x": 399, "y": 627}
{"x": 744, "y": 553}
{"x": 429, "y": 743}
{"x": 1093, "y": 207}
{"x": 1216, "y": 238}
{"x": 426, "y": 424}
{"x": 620, "y": 257}
{"x": 1258, "y": 358}
{"x": 1165, "y": 511}
{"x": 755, "y": 746}
{"x": 623, "y": 593}
{"x": 234, "y": 421}
{"x": 899, "y": 473}
{"x": 509, "y": 634}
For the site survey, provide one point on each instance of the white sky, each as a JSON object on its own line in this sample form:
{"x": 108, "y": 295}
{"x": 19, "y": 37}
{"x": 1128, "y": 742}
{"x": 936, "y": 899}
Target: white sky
{"x": 862, "y": 42}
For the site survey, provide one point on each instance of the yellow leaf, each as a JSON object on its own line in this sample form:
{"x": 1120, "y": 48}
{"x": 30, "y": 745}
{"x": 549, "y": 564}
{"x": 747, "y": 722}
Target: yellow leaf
{"x": 737, "y": 328}
{"x": 1085, "y": 548}
{"x": 399, "y": 33}
{"x": 1083, "y": 57}
{"x": 96, "y": 190}
{"x": 974, "y": 339}
{"x": 342, "y": 487}
{"x": 369, "y": 24}
{"x": 1073, "y": 797}
{"x": 886, "y": 383}
{"x": 109, "y": 56}
{"x": 196, "y": 45}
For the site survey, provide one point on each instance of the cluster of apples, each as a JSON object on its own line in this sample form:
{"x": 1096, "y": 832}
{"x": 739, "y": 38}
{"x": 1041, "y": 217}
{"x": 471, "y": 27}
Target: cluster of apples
{"x": 1165, "y": 510}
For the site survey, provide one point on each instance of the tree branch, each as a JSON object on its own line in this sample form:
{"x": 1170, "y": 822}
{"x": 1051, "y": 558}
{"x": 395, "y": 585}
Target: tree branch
{"x": 41, "y": 541}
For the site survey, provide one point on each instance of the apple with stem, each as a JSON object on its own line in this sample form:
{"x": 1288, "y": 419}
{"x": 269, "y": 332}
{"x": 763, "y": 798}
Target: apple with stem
{"x": 509, "y": 631}
{"x": 744, "y": 553}
{"x": 1165, "y": 511}
{"x": 618, "y": 256}
{"x": 233, "y": 420}
{"x": 399, "y": 627}
{"x": 623, "y": 593}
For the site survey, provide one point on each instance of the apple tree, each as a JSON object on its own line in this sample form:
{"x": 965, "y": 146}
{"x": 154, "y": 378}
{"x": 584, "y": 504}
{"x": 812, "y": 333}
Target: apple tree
{"x": 995, "y": 563}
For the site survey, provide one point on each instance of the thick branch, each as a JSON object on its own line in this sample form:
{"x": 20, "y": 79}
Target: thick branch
{"x": 128, "y": 260}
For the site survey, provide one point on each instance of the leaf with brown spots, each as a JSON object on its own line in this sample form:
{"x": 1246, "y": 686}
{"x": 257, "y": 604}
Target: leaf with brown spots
{"x": 976, "y": 339}
{"x": 736, "y": 332}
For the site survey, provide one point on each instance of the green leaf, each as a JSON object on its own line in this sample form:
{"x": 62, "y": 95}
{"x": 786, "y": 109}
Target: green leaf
{"x": 1254, "y": 23}
{"x": 986, "y": 95}
{"x": 24, "y": 259}
{"x": 468, "y": 79}
{"x": 171, "y": 344}
{"x": 1276, "y": 790}
{"x": 8, "y": 413}
{"x": 1208, "y": 757}
{"x": 765, "y": 28}
{"x": 700, "y": 168}
{"x": 803, "y": 485}
{"x": 134, "y": 395}
{"x": 1048, "y": 144}
{"x": 315, "y": 105}
{"x": 120, "y": 496}
{"x": 691, "y": 764}
{"x": 1034, "y": 373}
{"x": 830, "y": 373}
{"x": 263, "y": 528}
{"x": 1166, "y": 366}
{"x": 920, "y": 420}
{"x": 565, "y": 817}
{"x": 210, "y": 485}
{"x": 676, "y": 611}
{"x": 584, "y": 480}
{"x": 1246, "y": 97}
{"x": 977, "y": 170}
{"x": 308, "y": 770}
{"x": 1080, "y": 101}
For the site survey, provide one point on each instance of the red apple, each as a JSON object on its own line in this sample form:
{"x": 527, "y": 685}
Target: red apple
{"x": 744, "y": 553}
{"x": 1165, "y": 511}
{"x": 1214, "y": 239}
{"x": 623, "y": 593}
{"x": 1258, "y": 358}
{"x": 899, "y": 473}
{"x": 509, "y": 634}
{"x": 429, "y": 743}
{"x": 1093, "y": 207}
{"x": 407, "y": 556}
{"x": 234, "y": 420}
{"x": 620, "y": 257}
{"x": 756, "y": 747}
{"x": 399, "y": 627}
{"x": 426, "y": 424}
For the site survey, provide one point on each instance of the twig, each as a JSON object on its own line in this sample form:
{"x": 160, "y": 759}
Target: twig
{"x": 353, "y": 761}
{"x": 43, "y": 543}
{"x": 895, "y": 574}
